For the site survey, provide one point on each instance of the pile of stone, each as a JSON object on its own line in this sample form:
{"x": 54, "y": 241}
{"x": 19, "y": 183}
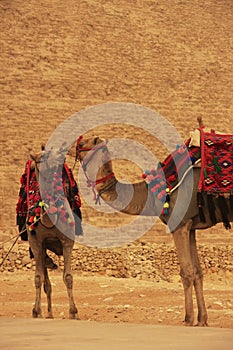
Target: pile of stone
{"x": 143, "y": 260}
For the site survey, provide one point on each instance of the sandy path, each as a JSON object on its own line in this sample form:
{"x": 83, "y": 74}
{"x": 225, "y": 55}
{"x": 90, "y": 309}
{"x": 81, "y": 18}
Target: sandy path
{"x": 58, "y": 334}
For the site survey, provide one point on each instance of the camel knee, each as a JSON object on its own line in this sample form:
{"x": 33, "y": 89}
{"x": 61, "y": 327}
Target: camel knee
{"x": 68, "y": 279}
{"x": 187, "y": 279}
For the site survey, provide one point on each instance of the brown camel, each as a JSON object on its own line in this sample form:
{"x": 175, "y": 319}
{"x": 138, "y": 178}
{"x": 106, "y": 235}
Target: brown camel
{"x": 46, "y": 235}
{"x": 96, "y": 161}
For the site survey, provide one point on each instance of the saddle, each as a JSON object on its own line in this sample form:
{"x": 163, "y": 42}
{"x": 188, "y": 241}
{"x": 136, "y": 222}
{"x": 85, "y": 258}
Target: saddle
{"x": 213, "y": 152}
{"x": 29, "y": 205}
{"x": 216, "y": 178}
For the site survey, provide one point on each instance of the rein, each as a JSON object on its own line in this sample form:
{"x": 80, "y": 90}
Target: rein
{"x": 28, "y": 181}
{"x": 88, "y": 158}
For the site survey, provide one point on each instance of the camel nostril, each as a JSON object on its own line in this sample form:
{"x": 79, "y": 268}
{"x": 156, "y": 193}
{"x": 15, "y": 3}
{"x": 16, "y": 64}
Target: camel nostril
{"x": 95, "y": 140}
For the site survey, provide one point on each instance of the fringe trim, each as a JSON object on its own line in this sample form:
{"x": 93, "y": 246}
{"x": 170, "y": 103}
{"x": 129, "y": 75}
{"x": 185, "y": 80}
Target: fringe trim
{"x": 231, "y": 201}
{"x": 224, "y": 211}
{"x": 211, "y": 208}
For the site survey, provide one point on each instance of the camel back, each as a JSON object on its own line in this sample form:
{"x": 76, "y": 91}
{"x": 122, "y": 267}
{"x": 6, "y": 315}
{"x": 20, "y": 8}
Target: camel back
{"x": 216, "y": 177}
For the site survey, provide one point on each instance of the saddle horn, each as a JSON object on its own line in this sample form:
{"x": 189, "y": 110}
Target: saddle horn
{"x": 200, "y": 122}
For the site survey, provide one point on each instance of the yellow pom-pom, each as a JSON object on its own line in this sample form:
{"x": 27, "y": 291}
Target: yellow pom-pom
{"x": 35, "y": 218}
{"x": 167, "y": 189}
{"x": 166, "y": 205}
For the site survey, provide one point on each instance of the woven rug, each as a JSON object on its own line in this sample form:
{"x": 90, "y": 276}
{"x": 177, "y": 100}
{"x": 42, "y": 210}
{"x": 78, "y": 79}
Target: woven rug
{"x": 217, "y": 163}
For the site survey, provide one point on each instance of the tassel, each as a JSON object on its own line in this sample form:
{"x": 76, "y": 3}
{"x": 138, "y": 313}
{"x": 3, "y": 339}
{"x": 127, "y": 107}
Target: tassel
{"x": 200, "y": 203}
{"x": 224, "y": 211}
{"x": 211, "y": 208}
{"x": 231, "y": 201}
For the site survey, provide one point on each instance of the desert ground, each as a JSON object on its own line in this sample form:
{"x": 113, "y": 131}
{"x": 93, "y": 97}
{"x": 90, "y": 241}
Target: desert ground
{"x": 59, "y": 58}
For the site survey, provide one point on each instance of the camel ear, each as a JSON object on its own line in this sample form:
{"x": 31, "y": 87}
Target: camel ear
{"x": 98, "y": 140}
{"x": 32, "y": 156}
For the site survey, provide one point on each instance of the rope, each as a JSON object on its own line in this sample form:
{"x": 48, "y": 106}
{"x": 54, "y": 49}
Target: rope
{"x": 5, "y": 257}
{"x": 16, "y": 239}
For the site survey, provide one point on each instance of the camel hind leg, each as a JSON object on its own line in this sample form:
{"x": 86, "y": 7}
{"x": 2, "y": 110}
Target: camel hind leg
{"x": 198, "y": 282}
{"x": 39, "y": 278}
{"x": 48, "y": 292}
{"x": 68, "y": 280}
{"x": 182, "y": 242}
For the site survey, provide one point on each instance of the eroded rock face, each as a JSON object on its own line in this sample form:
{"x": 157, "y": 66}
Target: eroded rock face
{"x": 142, "y": 260}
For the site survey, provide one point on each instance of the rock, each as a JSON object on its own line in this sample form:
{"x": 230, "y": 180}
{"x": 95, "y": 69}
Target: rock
{"x": 108, "y": 299}
{"x": 170, "y": 310}
{"x": 217, "y": 305}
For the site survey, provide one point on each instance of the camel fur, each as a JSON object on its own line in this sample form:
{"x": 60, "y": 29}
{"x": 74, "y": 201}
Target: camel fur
{"x": 60, "y": 241}
{"x": 98, "y": 165}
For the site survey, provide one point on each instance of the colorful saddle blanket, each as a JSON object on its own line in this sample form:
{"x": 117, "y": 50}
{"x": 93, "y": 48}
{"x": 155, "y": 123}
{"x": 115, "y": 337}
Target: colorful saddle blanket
{"x": 30, "y": 204}
{"x": 169, "y": 173}
{"x": 216, "y": 177}
{"x": 216, "y": 163}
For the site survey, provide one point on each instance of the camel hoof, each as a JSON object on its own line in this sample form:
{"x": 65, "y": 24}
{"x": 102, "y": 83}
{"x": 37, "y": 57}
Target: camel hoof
{"x": 49, "y": 316}
{"x": 73, "y": 314}
{"x": 36, "y": 314}
{"x": 202, "y": 324}
{"x": 188, "y": 323}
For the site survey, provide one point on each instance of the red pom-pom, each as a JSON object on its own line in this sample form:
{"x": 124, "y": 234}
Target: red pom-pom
{"x": 31, "y": 219}
{"x": 37, "y": 211}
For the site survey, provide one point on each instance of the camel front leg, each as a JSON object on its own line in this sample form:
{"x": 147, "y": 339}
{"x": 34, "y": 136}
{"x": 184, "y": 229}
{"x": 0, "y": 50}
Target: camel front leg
{"x": 68, "y": 280}
{"x": 198, "y": 282}
{"x": 182, "y": 243}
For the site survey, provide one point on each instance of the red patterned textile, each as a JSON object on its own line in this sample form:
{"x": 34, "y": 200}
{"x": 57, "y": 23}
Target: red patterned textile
{"x": 29, "y": 203}
{"x": 217, "y": 163}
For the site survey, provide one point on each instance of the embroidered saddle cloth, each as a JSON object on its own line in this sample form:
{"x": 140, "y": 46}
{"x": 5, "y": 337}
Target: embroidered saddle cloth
{"x": 216, "y": 163}
{"x": 29, "y": 202}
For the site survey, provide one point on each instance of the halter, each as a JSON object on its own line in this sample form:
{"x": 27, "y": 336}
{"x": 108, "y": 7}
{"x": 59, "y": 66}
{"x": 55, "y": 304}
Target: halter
{"x": 84, "y": 164}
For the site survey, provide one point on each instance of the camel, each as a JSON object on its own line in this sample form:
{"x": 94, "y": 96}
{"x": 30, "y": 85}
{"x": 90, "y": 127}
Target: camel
{"x": 96, "y": 162}
{"x": 46, "y": 235}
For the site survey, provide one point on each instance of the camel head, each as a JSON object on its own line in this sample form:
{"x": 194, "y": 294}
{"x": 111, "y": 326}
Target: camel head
{"x": 95, "y": 158}
{"x": 47, "y": 161}
{"x": 85, "y": 145}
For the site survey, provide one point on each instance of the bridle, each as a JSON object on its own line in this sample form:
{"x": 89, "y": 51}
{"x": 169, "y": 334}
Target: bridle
{"x": 84, "y": 162}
